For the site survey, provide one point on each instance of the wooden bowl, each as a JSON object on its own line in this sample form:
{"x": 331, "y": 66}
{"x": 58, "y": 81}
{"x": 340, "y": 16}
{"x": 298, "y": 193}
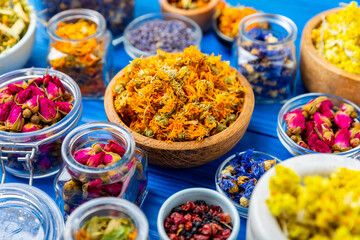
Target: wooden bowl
{"x": 201, "y": 16}
{"x": 190, "y": 153}
{"x": 321, "y": 76}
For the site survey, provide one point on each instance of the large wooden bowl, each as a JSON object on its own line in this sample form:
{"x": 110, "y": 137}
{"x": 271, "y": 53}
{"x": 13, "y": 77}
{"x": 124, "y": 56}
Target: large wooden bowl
{"x": 318, "y": 74}
{"x": 191, "y": 153}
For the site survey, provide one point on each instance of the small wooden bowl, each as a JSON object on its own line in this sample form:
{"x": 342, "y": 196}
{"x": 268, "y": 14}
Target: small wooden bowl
{"x": 201, "y": 16}
{"x": 190, "y": 153}
{"x": 321, "y": 76}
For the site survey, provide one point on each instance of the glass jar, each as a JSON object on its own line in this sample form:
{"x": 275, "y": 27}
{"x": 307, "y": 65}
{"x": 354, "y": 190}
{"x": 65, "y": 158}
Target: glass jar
{"x": 26, "y": 212}
{"x": 37, "y": 154}
{"x": 79, "y": 183}
{"x": 104, "y": 207}
{"x": 89, "y": 61}
{"x": 118, "y": 13}
{"x": 264, "y": 52}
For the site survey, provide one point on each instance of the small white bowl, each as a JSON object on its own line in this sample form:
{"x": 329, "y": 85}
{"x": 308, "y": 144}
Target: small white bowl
{"x": 192, "y": 194}
{"x": 261, "y": 223}
{"x": 17, "y": 56}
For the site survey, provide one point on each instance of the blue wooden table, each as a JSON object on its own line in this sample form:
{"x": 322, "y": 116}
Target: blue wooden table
{"x": 260, "y": 135}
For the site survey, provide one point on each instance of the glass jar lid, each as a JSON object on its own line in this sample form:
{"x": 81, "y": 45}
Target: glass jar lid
{"x": 27, "y": 212}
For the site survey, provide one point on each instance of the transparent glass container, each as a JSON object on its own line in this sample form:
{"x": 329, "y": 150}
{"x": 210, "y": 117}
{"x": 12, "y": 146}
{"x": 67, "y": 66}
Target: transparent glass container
{"x": 26, "y": 212}
{"x": 88, "y": 61}
{"x": 297, "y": 103}
{"x": 104, "y": 207}
{"x": 264, "y": 52}
{"x": 243, "y": 211}
{"x": 118, "y": 13}
{"x": 37, "y": 154}
{"x": 79, "y": 183}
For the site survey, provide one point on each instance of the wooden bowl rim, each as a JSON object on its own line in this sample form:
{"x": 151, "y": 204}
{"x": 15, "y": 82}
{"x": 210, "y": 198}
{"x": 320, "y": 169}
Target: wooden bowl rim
{"x": 242, "y": 121}
{"x": 192, "y": 12}
{"x": 308, "y": 43}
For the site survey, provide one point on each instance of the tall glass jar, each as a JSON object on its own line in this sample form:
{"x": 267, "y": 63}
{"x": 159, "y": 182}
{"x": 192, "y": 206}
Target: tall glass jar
{"x": 26, "y": 212}
{"x": 118, "y": 13}
{"x": 107, "y": 207}
{"x": 264, "y": 52}
{"x": 38, "y": 154}
{"x": 77, "y": 183}
{"x": 88, "y": 60}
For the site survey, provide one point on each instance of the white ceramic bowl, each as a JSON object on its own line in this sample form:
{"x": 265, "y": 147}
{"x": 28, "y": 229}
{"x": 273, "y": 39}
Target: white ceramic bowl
{"x": 193, "y": 194}
{"x": 261, "y": 223}
{"x": 17, "y": 56}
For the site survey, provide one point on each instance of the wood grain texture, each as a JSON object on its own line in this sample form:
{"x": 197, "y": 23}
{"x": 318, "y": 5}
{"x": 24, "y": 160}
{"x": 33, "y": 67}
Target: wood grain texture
{"x": 191, "y": 153}
{"x": 201, "y": 16}
{"x": 321, "y": 76}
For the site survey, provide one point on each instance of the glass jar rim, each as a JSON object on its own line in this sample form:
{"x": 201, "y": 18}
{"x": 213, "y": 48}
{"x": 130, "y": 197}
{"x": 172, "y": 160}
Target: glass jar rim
{"x": 131, "y": 210}
{"x": 29, "y": 195}
{"x": 88, "y": 14}
{"x": 95, "y": 126}
{"x": 66, "y": 123}
{"x": 278, "y": 19}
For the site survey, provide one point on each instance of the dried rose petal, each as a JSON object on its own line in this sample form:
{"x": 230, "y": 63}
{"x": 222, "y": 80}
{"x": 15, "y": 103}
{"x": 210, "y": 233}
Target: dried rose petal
{"x": 111, "y": 158}
{"x": 82, "y": 156}
{"x": 295, "y": 121}
{"x": 96, "y": 160}
{"x": 313, "y": 106}
{"x": 37, "y": 91}
{"x": 5, "y": 109}
{"x": 342, "y": 140}
{"x": 17, "y": 87}
{"x": 342, "y": 120}
{"x": 114, "y": 147}
{"x": 23, "y": 96}
{"x": 321, "y": 147}
{"x": 32, "y": 104}
{"x": 309, "y": 130}
{"x": 53, "y": 92}
{"x": 30, "y": 127}
{"x": 94, "y": 188}
{"x": 64, "y": 107}
{"x": 47, "y": 111}
{"x": 15, "y": 121}
{"x": 114, "y": 189}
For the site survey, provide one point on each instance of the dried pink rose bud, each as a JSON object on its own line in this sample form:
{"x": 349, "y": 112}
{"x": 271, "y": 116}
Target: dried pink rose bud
{"x": 47, "y": 110}
{"x": 53, "y": 92}
{"x": 342, "y": 120}
{"x": 321, "y": 119}
{"x": 324, "y": 132}
{"x": 347, "y": 108}
{"x": 314, "y": 104}
{"x": 111, "y": 158}
{"x": 4, "y": 95}
{"x": 44, "y": 163}
{"x": 58, "y": 83}
{"x": 17, "y": 87}
{"x": 32, "y": 104}
{"x": 312, "y": 140}
{"x": 355, "y": 129}
{"x": 114, "y": 189}
{"x": 30, "y": 127}
{"x": 342, "y": 140}
{"x": 37, "y": 91}
{"x": 94, "y": 188}
{"x": 114, "y": 147}
{"x": 36, "y": 81}
{"x": 64, "y": 107}
{"x": 5, "y": 110}
{"x": 295, "y": 121}
{"x": 309, "y": 130}
{"x": 15, "y": 121}
{"x": 325, "y": 109}
{"x": 321, "y": 147}
{"x": 96, "y": 160}
{"x": 83, "y": 155}
{"x": 23, "y": 96}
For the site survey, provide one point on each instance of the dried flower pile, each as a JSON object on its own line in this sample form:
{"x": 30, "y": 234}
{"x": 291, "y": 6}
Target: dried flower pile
{"x": 179, "y": 97}
{"x": 33, "y": 105}
{"x": 239, "y": 178}
{"x": 322, "y": 127}
{"x": 189, "y": 4}
{"x": 81, "y": 59}
{"x": 198, "y": 220}
{"x": 132, "y": 179}
{"x": 167, "y": 35}
{"x": 337, "y": 38}
{"x": 14, "y": 22}
{"x": 228, "y": 17}
{"x": 320, "y": 208}
{"x": 107, "y": 228}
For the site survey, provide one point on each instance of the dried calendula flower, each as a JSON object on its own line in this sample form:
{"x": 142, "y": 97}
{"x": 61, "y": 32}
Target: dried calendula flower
{"x": 179, "y": 96}
{"x": 316, "y": 207}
